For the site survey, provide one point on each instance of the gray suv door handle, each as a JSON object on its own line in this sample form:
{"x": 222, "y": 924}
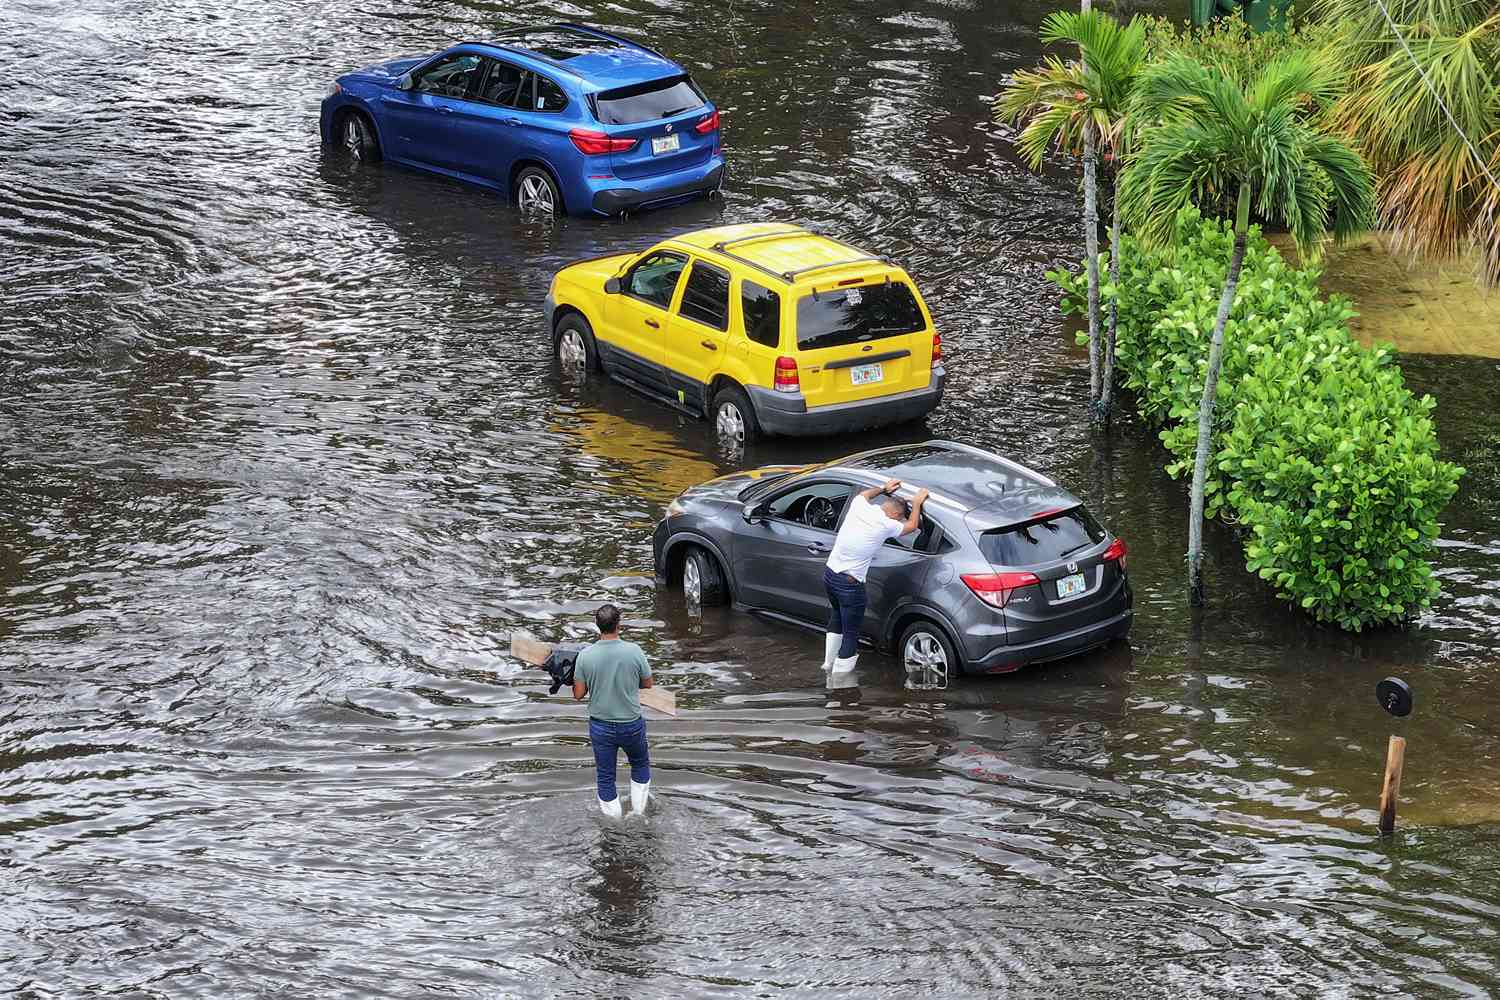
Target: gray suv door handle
{"x": 817, "y": 549}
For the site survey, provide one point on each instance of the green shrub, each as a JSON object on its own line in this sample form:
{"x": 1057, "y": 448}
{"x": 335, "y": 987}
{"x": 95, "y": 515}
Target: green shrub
{"x": 1232, "y": 45}
{"x": 1322, "y": 456}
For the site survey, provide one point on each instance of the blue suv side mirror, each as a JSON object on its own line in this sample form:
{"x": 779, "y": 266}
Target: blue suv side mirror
{"x": 405, "y": 82}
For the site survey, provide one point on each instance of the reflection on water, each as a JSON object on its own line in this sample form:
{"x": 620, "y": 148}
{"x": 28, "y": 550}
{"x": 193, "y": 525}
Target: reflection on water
{"x": 285, "y": 461}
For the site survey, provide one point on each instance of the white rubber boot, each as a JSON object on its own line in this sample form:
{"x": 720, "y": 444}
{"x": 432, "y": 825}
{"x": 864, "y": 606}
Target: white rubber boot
{"x": 611, "y": 809}
{"x": 638, "y": 796}
{"x": 845, "y": 663}
{"x": 831, "y": 642}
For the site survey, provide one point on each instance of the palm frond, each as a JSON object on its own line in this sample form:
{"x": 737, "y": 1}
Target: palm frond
{"x": 1294, "y": 77}
{"x": 1208, "y": 135}
{"x": 1432, "y": 194}
{"x": 1055, "y": 101}
{"x": 1181, "y": 162}
{"x": 1351, "y": 196}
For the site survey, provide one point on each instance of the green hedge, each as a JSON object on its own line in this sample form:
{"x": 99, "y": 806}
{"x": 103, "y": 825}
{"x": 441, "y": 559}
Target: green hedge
{"x": 1322, "y": 456}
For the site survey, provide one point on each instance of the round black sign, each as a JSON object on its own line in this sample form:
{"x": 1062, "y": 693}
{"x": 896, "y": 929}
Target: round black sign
{"x": 1395, "y": 696}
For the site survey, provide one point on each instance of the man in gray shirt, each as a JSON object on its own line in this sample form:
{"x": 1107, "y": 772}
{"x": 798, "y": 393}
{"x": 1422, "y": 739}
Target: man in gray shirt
{"x": 611, "y": 673}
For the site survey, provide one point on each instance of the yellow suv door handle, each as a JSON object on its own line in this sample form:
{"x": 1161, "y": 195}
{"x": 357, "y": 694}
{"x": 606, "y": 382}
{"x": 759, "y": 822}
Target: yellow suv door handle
{"x": 653, "y": 324}
{"x": 710, "y": 345}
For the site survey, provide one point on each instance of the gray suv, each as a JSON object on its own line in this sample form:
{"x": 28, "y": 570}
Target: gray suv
{"x": 1007, "y": 568}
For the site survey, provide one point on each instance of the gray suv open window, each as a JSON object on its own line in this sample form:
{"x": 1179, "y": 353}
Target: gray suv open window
{"x": 815, "y": 505}
{"x": 924, "y": 539}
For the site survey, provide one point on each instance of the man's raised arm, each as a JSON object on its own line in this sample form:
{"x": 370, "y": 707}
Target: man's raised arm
{"x": 891, "y": 486}
{"x": 914, "y": 519}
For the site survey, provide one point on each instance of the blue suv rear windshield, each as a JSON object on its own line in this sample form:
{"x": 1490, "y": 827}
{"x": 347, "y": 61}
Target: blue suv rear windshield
{"x": 1038, "y": 542}
{"x": 850, "y": 315}
{"x": 648, "y": 102}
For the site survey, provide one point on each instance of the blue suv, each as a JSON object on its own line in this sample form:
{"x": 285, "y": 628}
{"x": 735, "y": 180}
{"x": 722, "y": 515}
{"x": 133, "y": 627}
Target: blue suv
{"x": 566, "y": 118}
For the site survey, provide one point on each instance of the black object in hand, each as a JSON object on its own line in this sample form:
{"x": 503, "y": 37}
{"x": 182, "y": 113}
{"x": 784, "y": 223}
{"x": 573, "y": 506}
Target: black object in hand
{"x": 559, "y": 664}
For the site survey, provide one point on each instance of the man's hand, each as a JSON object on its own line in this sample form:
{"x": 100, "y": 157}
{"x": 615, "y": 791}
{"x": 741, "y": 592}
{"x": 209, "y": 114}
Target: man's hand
{"x": 920, "y": 498}
{"x": 891, "y": 486}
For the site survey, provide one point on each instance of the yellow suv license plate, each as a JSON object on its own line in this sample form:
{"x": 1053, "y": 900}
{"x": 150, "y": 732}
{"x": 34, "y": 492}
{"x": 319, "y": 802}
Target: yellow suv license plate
{"x": 1069, "y": 585}
{"x": 866, "y": 374}
{"x": 665, "y": 144}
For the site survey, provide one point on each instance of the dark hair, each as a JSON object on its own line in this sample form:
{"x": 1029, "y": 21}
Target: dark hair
{"x": 607, "y": 618}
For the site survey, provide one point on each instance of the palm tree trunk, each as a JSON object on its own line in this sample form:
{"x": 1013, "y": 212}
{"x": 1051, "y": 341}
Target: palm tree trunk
{"x": 1091, "y": 250}
{"x": 1107, "y": 378}
{"x": 1206, "y": 407}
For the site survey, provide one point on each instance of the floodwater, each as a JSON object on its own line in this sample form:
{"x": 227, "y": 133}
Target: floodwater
{"x": 285, "y": 462}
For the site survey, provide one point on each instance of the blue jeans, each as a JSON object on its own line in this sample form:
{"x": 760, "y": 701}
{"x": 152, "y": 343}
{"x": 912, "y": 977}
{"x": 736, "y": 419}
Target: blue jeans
{"x": 846, "y": 599}
{"x": 609, "y": 738}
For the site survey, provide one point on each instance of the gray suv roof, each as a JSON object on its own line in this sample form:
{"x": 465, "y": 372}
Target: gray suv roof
{"x": 965, "y": 477}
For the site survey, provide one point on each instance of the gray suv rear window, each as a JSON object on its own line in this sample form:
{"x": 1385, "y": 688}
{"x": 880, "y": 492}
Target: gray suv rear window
{"x": 648, "y": 102}
{"x": 1040, "y": 542}
{"x": 850, "y": 315}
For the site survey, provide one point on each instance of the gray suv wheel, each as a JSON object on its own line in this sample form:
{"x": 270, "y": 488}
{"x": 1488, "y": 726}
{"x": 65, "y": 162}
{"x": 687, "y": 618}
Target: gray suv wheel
{"x": 928, "y": 656}
{"x": 702, "y": 580}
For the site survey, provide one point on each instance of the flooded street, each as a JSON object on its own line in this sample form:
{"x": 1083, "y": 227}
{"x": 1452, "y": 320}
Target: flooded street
{"x": 284, "y": 460}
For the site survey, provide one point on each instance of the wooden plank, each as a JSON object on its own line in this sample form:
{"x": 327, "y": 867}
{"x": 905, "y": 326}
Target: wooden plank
{"x": 661, "y": 699}
{"x": 528, "y": 649}
{"x": 1395, "y": 762}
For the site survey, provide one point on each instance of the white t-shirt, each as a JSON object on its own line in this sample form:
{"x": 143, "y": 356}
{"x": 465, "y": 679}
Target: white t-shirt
{"x": 865, "y": 530}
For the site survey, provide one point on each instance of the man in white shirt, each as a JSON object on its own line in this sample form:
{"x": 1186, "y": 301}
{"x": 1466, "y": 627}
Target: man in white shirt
{"x": 867, "y": 526}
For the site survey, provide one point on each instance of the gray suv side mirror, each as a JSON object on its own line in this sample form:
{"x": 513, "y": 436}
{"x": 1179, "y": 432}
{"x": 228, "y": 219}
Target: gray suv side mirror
{"x": 612, "y": 286}
{"x": 752, "y": 513}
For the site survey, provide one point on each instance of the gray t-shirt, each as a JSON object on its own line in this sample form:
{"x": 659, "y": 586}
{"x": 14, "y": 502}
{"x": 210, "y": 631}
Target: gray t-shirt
{"x": 613, "y": 669}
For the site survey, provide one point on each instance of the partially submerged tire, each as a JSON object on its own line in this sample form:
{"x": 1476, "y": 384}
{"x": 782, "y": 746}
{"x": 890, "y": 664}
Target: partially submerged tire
{"x": 573, "y": 346}
{"x": 928, "y": 654}
{"x": 357, "y": 137}
{"x": 536, "y": 193}
{"x": 733, "y": 417}
{"x": 702, "y": 579}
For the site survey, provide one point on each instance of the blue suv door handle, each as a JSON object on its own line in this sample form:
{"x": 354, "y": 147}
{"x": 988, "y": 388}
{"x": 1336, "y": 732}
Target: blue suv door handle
{"x": 513, "y": 121}
{"x": 443, "y": 110}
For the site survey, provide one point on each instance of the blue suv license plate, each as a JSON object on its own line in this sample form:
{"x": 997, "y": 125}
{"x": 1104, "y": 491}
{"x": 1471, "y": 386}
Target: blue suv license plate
{"x": 665, "y": 144}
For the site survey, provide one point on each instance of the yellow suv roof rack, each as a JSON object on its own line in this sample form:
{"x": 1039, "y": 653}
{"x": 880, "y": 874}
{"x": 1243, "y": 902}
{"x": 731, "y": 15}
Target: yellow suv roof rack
{"x": 723, "y": 246}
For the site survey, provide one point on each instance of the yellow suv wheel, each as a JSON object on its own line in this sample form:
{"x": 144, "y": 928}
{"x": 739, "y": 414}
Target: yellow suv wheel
{"x": 734, "y": 417}
{"x": 574, "y": 347}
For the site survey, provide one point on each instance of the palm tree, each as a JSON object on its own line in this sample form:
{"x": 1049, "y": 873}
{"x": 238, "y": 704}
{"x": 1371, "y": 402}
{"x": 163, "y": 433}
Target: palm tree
{"x": 1205, "y": 139}
{"x": 1081, "y": 107}
{"x": 1434, "y": 193}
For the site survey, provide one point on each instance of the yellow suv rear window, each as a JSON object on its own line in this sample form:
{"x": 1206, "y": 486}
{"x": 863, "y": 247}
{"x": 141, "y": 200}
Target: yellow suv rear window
{"x": 857, "y": 313}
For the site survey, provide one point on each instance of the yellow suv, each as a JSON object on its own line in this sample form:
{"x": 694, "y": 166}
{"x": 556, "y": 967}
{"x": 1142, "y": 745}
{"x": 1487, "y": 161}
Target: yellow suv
{"x": 759, "y": 327}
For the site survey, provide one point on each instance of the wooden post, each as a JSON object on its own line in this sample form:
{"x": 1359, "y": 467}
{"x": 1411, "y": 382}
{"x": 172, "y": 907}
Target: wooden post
{"x": 1395, "y": 759}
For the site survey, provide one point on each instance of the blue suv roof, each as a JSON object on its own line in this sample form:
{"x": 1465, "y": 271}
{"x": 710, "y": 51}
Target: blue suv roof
{"x": 599, "y": 57}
